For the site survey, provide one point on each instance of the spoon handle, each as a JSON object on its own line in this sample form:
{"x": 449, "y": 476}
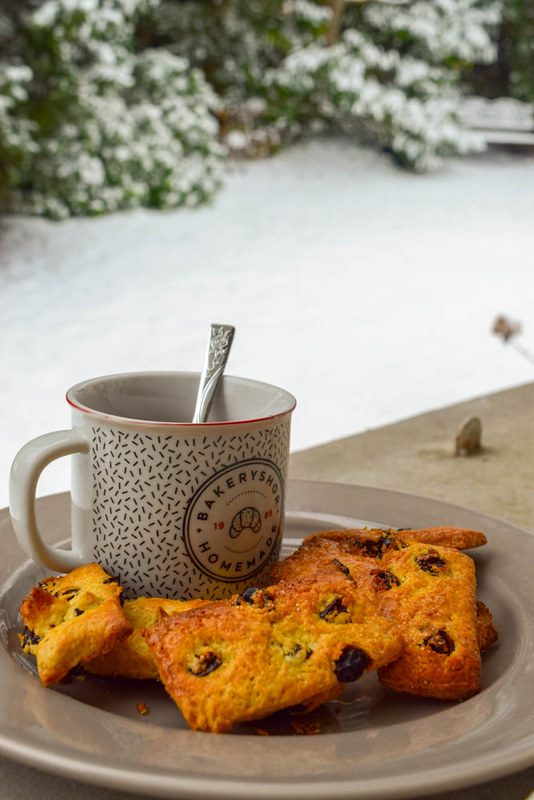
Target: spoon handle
{"x": 219, "y": 344}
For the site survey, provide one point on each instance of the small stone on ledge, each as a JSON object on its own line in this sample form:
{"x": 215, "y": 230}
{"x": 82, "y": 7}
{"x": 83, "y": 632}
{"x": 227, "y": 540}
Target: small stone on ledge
{"x": 468, "y": 437}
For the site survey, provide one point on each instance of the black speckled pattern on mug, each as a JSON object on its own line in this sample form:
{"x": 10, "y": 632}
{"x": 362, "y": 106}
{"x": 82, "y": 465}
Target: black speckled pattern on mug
{"x": 142, "y": 485}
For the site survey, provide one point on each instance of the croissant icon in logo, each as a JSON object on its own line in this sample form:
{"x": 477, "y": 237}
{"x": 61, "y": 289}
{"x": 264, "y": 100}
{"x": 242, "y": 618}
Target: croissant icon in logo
{"x": 232, "y": 523}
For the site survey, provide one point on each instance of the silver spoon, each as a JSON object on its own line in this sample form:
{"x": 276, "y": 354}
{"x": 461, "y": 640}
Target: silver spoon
{"x": 219, "y": 344}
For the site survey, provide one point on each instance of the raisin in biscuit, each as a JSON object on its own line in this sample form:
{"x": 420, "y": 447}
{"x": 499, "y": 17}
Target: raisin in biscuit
{"x": 131, "y": 657}
{"x": 294, "y": 643}
{"x": 445, "y": 536}
{"x": 72, "y": 619}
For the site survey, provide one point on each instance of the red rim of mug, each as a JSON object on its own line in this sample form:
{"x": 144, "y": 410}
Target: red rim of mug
{"x": 117, "y": 418}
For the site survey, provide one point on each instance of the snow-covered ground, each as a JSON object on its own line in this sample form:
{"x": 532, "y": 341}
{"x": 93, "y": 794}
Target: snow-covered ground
{"x": 366, "y": 291}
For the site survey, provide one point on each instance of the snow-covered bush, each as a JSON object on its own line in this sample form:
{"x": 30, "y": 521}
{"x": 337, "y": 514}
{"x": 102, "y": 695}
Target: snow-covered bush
{"x": 393, "y": 76}
{"x": 16, "y": 144}
{"x": 404, "y": 104}
{"x": 517, "y": 48}
{"x": 110, "y": 127}
{"x": 512, "y": 75}
{"x": 111, "y": 104}
{"x": 234, "y": 41}
{"x": 447, "y": 32}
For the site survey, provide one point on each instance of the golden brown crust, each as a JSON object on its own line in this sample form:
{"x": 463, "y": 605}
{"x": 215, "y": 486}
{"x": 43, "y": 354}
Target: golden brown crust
{"x": 487, "y": 633}
{"x": 294, "y": 643}
{"x": 71, "y": 619}
{"x": 131, "y": 657}
{"x": 315, "y": 553}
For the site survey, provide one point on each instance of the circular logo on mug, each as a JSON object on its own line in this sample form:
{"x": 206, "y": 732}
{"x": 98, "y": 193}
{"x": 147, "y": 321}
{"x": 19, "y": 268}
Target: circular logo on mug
{"x": 232, "y": 522}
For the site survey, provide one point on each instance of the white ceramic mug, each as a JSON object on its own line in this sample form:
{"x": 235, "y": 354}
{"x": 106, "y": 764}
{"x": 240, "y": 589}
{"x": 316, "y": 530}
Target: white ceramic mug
{"x": 170, "y": 507}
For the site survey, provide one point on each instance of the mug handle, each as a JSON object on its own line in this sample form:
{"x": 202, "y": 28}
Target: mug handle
{"x": 27, "y": 466}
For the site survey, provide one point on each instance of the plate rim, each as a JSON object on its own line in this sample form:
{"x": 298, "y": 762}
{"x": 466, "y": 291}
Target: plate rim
{"x": 93, "y": 770}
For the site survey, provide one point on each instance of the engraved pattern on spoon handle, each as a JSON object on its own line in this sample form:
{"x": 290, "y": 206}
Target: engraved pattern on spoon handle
{"x": 220, "y": 342}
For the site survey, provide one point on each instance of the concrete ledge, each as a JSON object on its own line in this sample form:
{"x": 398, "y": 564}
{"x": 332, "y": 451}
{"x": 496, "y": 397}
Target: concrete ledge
{"x": 416, "y": 455}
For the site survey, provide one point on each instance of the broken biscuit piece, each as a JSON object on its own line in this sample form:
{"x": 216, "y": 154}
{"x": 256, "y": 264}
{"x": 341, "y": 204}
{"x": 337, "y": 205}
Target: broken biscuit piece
{"x": 295, "y": 643}
{"x": 131, "y": 656}
{"x": 71, "y": 619}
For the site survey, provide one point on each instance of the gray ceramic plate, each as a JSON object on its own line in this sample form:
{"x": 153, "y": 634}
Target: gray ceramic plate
{"x": 372, "y": 745}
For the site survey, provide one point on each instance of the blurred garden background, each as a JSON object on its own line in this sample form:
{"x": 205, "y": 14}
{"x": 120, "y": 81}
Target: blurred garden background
{"x": 113, "y": 104}
{"x": 350, "y": 183}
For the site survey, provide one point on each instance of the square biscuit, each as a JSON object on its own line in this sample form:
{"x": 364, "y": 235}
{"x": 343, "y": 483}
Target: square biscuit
{"x": 295, "y": 643}
{"x": 430, "y": 593}
{"x": 427, "y": 591}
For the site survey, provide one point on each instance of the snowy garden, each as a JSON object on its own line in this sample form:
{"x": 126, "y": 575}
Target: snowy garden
{"x": 116, "y": 104}
{"x": 300, "y": 169}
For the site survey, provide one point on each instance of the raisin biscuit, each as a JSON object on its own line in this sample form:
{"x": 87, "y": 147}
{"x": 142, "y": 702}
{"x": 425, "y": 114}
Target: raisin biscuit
{"x": 445, "y": 536}
{"x": 430, "y": 595}
{"x": 370, "y": 574}
{"x": 372, "y": 543}
{"x": 295, "y": 643}
{"x": 131, "y": 657}
{"x": 72, "y": 619}
{"x": 429, "y": 592}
